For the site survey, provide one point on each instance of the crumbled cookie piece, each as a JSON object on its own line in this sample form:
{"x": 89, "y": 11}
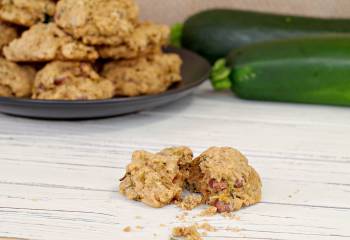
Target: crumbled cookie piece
{"x": 208, "y": 212}
{"x": 26, "y": 12}
{"x": 127, "y": 229}
{"x": 15, "y": 80}
{"x": 156, "y": 179}
{"x": 8, "y": 34}
{"x": 97, "y": 22}
{"x": 144, "y": 76}
{"x": 147, "y": 39}
{"x": 190, "y": 233}
{"x": 46, "y": 42}
{"x": 225, "y": 179}
{"x": 190, "y": 201}
{"x": 70, "y": 81}
{"x": 206, "y": 226}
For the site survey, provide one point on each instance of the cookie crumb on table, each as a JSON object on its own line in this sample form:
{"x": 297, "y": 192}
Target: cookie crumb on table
{"x": 127, "y": 229}
{"x": 190, "y": 233}
{"x": 208, "y": 212}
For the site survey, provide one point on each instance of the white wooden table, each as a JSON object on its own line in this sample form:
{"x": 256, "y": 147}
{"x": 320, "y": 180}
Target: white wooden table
{"x": 59, "y": 180}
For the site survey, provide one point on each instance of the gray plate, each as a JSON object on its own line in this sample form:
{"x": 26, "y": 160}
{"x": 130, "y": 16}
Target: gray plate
{"x": 195, "y": 70}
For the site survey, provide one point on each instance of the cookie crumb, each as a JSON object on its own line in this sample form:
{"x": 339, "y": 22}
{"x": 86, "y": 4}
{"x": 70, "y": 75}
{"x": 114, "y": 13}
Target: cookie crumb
{"x": 210, "y": 211}
{"x": 190, "y": 202}
{"x": 233, "y": 229}
{"x": 230, "y": 216}
{"x": 206, "y": 226}
{"x": 190, "y": 232}
{"x": 139, "y": 227}
{"x": 162, "y": 225}
{"x": 127, "y": 229}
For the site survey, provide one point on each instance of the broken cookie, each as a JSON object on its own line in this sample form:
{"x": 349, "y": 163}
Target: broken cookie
{"x": 144, "y": 76}
{"x": 46, "y": 42}
{"x": 70, "y": 81}
{"x": 156, "y": 179}
{"x": 225, "y": 179}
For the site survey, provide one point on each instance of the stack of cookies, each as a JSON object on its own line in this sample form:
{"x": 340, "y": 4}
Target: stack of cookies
{"x": 82, "y": 50}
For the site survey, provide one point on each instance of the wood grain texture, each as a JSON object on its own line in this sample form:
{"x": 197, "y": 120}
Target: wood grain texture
{"x": 59, "y": 180}
{"x": 177, "y": 10}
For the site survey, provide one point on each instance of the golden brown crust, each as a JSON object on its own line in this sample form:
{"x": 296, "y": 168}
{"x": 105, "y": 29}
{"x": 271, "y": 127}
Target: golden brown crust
{"x": 148, "y": 38}
{"x": 70, "y": 81}
{"x": 156, "y": 179}
{"x": 26, "y": 12}
{"x": 97, "y": 22}
{"x": 15, "y": 80}
{"x": 46, "y": 42}
{"x": 144, "y": 76}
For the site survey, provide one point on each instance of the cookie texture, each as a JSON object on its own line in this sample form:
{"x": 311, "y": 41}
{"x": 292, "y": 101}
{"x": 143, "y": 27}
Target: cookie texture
{"x": 97, "y": 22}
{"x": 225, "y": 179}
{"x": 157, "y": 179}
{"x": 46, "y": 42}
{"x": 15, "y": 80}
{"x": 26, "y": 12}
{"x": 148, "y": 38}
{"x": 70, "y": 81}
{"x": 7, "y": 34}
{"x": 144, "y": 76}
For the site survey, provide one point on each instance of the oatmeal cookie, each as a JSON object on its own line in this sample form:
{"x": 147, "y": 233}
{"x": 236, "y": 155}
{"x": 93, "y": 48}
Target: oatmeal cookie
{"x": 156, "y": 179}
{"x": 97, "y": 22}
{"x": 70, "y": 81}
{"x": 144, "y": 76}
{"x": 8, "y": 34}
{"x": 225, "y": 179}
{"x": 46, "y": 42}
{"x": 26, "y": 12}
{"x": 147, "y": 39}
{"x": 15, "y": 80}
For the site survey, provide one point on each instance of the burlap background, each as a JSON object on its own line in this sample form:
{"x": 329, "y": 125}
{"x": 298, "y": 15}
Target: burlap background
{"x": 170, "y": 11}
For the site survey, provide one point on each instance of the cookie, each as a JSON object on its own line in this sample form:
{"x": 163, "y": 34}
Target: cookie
{"x": 156, "y": 179}
{"x": 97, "y": 22}
{"x": 147, "y": 39}
{"x": 8, "y": 34}
{"x": 15, "y": 80}
{"x": 46, "y": 42}
{"x": 26, "y": 12}
{"x": 70, "y": 81}
{"x": 225, "y": 179}
{"x": 144, "y": 76}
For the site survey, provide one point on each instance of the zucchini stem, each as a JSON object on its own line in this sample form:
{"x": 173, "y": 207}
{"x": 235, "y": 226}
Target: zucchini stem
{"x": 220, "y": 75}
{"x": 176, "y": 35}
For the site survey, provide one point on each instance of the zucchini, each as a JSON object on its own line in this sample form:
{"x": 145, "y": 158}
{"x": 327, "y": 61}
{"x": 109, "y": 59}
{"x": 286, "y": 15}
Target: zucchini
{"x": 314, "y": 69}
{"x": 214, "y": 33}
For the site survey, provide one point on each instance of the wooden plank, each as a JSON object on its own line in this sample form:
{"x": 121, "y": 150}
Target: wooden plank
{"x": 59, "y": 180}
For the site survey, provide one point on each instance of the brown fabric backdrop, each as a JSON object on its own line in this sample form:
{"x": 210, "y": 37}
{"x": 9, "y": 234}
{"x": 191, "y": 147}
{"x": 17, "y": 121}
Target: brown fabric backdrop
{"x": 170, "y": 11}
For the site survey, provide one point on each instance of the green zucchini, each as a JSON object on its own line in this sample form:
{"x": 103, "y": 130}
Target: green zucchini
{"x": 214, "y": 33}
{"x": 314, "y": 69}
